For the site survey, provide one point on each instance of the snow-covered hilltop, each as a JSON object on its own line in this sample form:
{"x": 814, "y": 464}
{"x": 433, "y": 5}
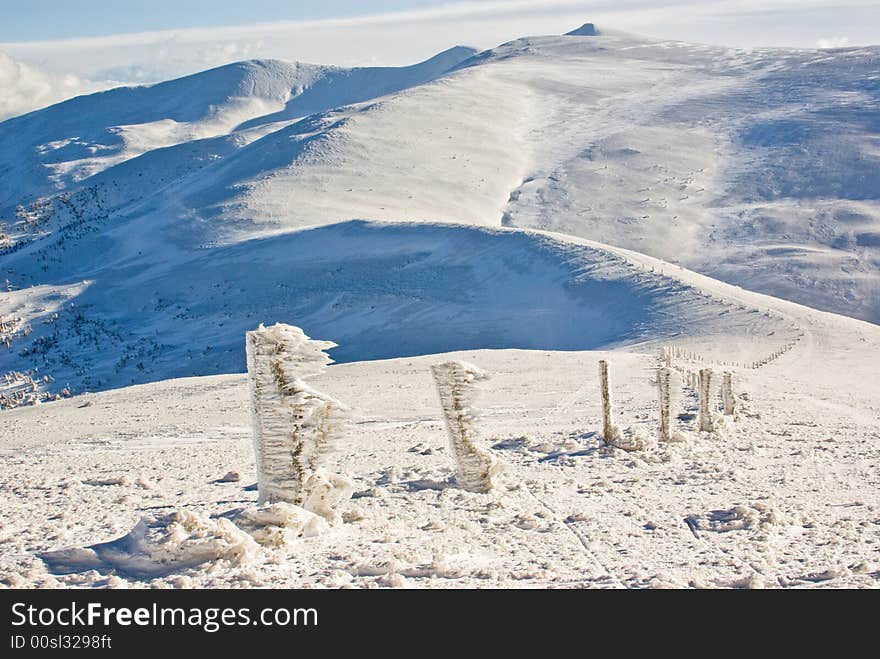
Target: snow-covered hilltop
{"x": 56, "y": 148}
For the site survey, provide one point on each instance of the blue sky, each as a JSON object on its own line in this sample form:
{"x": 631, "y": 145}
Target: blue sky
{"x": 795, "y": 22}
{"x": 38, "y": 20}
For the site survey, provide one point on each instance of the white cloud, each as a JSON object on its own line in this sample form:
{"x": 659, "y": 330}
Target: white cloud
{"x": 25, "y": 88}
{"x": 833, "y": 42}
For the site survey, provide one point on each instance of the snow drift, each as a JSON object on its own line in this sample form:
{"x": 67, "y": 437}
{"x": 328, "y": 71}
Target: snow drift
{"x": 380, "y": 290}
{"x": 185, "y": 540}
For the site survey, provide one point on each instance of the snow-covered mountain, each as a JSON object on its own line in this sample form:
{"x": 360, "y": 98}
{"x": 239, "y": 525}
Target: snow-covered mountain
{"x": 53, "y": 149}
{"x": 147, "y": 228}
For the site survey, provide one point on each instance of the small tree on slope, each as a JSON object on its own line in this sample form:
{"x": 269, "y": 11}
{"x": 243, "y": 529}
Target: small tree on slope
{"x": 295, "y": 425}
{"x": 476, "y": 466}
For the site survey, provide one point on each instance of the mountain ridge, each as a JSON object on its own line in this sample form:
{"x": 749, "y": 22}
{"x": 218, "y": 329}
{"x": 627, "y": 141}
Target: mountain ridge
{"x": 668, "y": 149}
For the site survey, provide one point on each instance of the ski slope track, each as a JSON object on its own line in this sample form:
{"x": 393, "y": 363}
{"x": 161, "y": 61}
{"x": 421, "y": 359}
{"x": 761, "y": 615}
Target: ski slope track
{"x": 532, "y": 209}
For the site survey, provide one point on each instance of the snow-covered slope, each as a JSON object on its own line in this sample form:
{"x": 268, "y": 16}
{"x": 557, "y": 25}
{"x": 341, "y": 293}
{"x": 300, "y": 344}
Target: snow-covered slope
{"x": 759, "y": 167}
{"x": 784, "y": 494}
{"x": 433, "y": 288}
{"x": 55, "y": 148}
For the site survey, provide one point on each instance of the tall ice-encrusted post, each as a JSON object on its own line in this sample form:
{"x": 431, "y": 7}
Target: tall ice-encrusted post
{"x": 476, "y": 467}
{"x": 295, "y": 426}
{"x": 727, "y": 397}
{"x": 610, "y": 432}
{"x": 664, "y": 375}
{"x": 705, "y": 400}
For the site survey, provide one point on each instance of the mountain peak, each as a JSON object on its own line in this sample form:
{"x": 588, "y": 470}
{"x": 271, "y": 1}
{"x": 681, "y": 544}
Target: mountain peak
{"x": 458, "y": 50}
{"x": 585, "y": 30}
{"x": 449, "y": 57}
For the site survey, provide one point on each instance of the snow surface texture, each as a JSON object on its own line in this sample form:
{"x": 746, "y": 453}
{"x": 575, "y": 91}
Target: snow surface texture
{"x": 295, "y": 426}
{"x": 432, "y": 287}
{"x": 457, "y": 388}
{"x": 785, "y": 496}
{"x": 160, "y": 546}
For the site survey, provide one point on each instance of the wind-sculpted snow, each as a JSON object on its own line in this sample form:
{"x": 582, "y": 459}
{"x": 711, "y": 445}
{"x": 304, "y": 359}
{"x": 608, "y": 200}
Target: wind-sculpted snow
{"x": 379, "y": 290}
{"x": 180, "y": 541}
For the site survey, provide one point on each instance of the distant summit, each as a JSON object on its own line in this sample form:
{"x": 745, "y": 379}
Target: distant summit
{"x": 585, "y": 30}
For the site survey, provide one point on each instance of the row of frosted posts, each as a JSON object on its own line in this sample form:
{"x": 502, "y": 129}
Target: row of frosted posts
{"x": 701, "y": 382}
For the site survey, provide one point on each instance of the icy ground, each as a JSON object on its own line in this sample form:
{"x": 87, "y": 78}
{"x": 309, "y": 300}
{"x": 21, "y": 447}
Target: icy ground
{"x": 784, "y": 495}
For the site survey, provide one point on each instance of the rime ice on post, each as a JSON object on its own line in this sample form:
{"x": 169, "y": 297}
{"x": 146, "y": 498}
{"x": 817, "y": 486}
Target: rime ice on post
{"x": 664, "y": 376}
{"x": 476, "y": 466}
{"x": 727, "y": 397}
{"x": 295, "y": 425}
{"x": 705, "y": 400}
{"x": 610, "y": 432}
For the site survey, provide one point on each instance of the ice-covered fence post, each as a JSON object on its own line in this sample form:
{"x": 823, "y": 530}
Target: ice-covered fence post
{"x": 475, "y": 466}
{"x": 610, "y": 432}
{"x": 705, "y": 400}
{"x": 295, "y": 426}
{"x": 664, "y": 375}
{"x": 727, "y": 397}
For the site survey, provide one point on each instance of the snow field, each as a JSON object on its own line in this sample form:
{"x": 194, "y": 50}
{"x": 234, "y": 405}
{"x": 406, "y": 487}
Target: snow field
{"x": 781, "y": 497}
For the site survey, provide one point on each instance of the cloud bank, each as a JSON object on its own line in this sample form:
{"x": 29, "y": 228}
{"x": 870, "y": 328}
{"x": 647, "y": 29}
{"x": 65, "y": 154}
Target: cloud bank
{"x": 24, "y": 88}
